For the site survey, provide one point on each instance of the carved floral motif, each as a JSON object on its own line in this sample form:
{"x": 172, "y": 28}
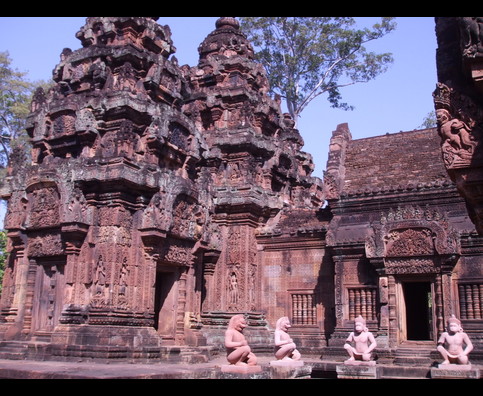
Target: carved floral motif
{"x": 49, "y": 244}
{"x": 410, "y": 242}
{"x": 412, "y": 231}
{"x": 410, "y": 266}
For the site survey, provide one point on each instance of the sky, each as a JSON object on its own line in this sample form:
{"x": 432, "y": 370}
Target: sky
{"x": 398, "y": 100}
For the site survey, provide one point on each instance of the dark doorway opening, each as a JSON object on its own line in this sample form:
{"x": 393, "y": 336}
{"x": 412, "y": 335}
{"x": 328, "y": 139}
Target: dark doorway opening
{"x": 165, "y": 304}
{"x": 419, "y": 315}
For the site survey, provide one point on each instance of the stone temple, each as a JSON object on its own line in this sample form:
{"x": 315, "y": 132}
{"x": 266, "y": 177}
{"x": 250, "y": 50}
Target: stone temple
{"x": 160, "y": 200}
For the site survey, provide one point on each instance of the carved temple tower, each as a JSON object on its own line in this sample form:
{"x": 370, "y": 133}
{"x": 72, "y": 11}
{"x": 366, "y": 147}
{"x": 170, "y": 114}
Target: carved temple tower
{"x": 253, "y": 167}
{"x": 160, "y": 200}
{"x": 107, "y": 229}
{"x": 135, "y": 225}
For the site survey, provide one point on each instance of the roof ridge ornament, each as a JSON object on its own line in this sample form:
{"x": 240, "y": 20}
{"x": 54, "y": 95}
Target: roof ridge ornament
{"x": 227, "y": 22}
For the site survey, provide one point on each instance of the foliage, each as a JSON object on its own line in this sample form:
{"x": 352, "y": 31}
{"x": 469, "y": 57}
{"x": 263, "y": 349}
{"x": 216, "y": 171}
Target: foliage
{"x": 429, "y": 121}
{"x": 306, "y": 57}
{"x": 15, "y": 96}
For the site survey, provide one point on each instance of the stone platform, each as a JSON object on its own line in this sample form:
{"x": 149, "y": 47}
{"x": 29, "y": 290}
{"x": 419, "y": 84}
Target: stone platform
{"x": 313, "y": 368}
{"x": 455, "y": 371}
{"x": 289, "y": 369}
{"x": 243, "y": 370}
{"x": 358, "y": 370}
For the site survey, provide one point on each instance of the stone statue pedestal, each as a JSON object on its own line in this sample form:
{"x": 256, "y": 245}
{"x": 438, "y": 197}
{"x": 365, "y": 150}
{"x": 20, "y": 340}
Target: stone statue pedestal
{"x": 285, "y": 369}
{"x": 356, "y": 369}
{"x": 286, "y": 363}
{"x": 461, "y": 371}
{"x": 242, "y": 369}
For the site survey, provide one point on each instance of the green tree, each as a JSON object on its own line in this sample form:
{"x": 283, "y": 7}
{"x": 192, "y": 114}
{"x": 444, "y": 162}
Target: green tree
{"x": 306, "y": 57}
{"x": 429, "y": 121}
{"x": 15, "y": 96}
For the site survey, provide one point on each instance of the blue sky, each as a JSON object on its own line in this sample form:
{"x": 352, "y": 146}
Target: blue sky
{"x": 398, "y": 100}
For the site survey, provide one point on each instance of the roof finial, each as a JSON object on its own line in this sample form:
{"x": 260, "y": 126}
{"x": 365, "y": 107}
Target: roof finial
{"x": 227, "y": 22}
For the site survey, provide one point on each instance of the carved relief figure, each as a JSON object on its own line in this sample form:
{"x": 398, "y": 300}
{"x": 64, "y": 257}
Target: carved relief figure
{"x": 455, "y": 133}
{"x": 286, "y": 348}
{"x": 77, "y": 206}
{"x": 44, "y": 207}
{"x": 238, "y": 351}
{"x": 123, "y": 277}
{"x": 155, "y": 215}
{"x": 409, "y": 242}
{"x": 233, "y": 290}
{"x": 100, "y": 277}
{"x": 471, "y": 35}
{"x": 454, "y": 345}
{"x": 360, "y": 343}
{"x": 125, "y": 80}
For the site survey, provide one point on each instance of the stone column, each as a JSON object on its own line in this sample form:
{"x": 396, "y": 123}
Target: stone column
{"x": 28, "y": 295}
{"x": 383, "y": 333}
{"x": 15, "y": 290}
{"x": 438, "y": 297}
{"x": 73, "y": 235}
{"x": 209, "y": 285}
{"x": 338, "y": 274}
{"x": 392, "y": 309}
{"x": 181, "y": 308}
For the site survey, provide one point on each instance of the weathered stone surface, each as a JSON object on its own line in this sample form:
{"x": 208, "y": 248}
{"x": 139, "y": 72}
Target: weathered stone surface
{"x": 455, "y": 371}
{"x": 246, "y": 369}
{"x": 161, "y": 200}
{"x": 458, "y": 102}
{"x": 148, "y": 186}
{"x": 398, "y": 223}
{"x": 359, "y": 371}
{"x": 282, "y": 369}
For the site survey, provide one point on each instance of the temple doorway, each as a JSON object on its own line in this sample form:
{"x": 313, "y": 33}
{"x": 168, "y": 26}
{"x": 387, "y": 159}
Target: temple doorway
{"x": 165, "y": 303}
{"x": 48, "y": 296}
{"x": 418, "y": 311}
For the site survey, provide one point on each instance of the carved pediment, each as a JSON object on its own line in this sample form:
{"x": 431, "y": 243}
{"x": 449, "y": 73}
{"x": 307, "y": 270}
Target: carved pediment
{"x": 412, "y": 231}
{"x": 43, "y": 209}
{"x": 409, "y": 242}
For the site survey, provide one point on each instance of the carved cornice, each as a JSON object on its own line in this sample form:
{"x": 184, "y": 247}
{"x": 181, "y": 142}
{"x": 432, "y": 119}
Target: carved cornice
{"x": 296, "y": 242}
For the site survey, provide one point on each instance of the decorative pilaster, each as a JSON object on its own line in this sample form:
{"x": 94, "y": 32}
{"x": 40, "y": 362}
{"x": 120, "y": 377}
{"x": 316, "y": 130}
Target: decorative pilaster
{"x": 393, "y": 312}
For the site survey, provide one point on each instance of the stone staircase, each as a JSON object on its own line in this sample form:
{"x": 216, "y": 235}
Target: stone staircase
{"x": 22, "y": 350}
{"x": 37, "y": 350}
{"x": 186, "y": 354}
{"x": 415, "y": 353}
{"x": 413, "y": 360}
{"x": 13, "y": 350}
